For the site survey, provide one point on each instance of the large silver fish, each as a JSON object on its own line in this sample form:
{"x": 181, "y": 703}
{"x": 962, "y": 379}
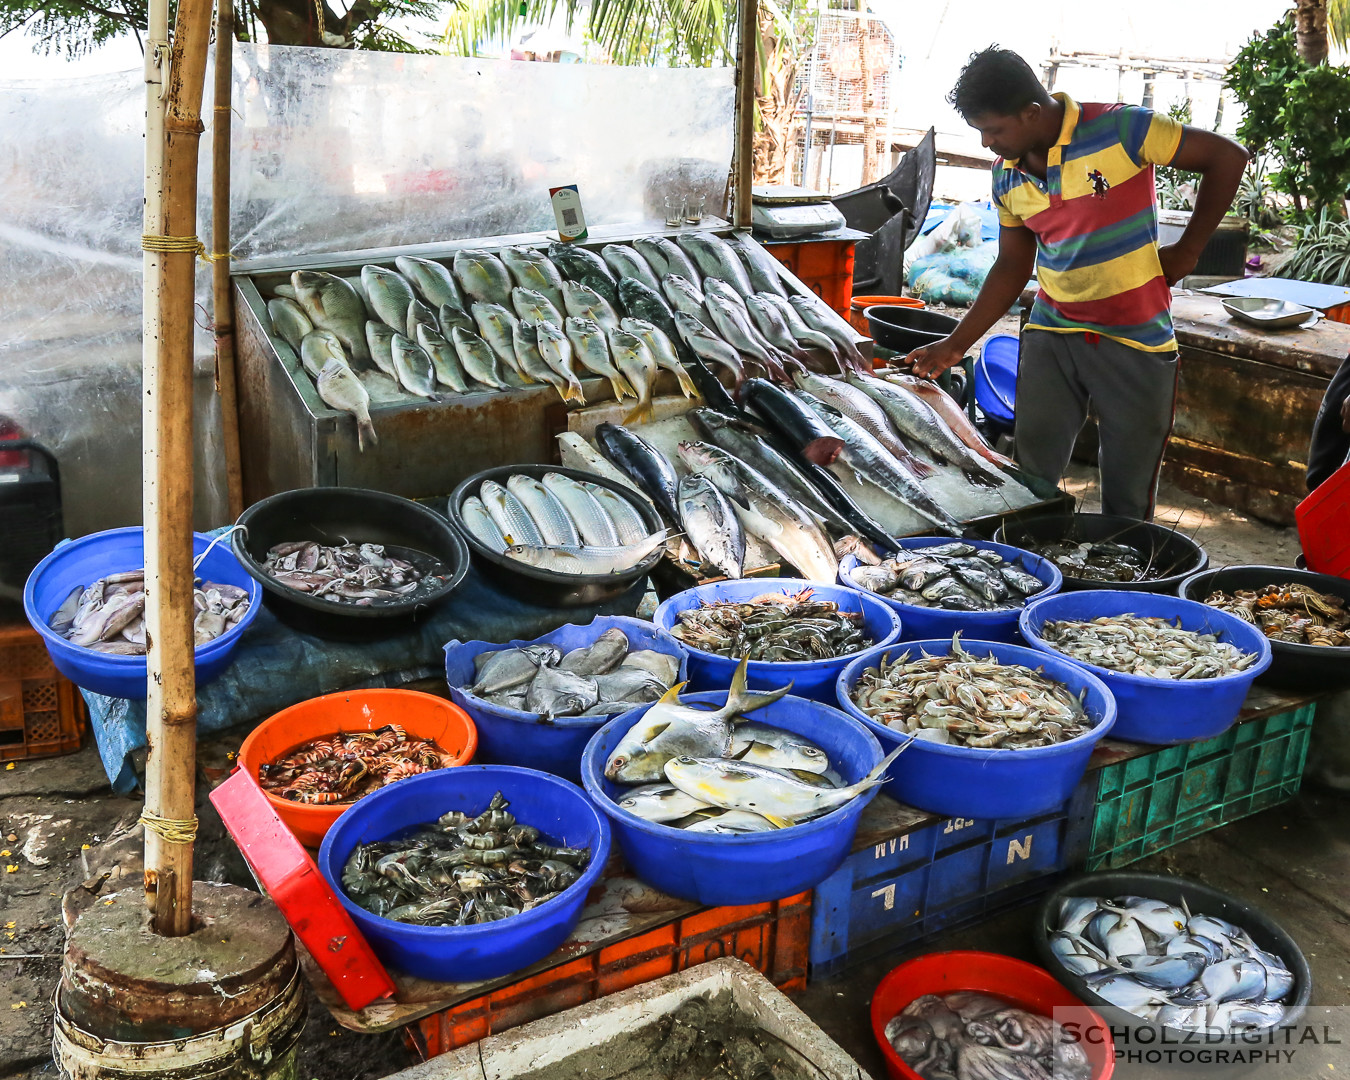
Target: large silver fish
{"x": 577, "y": 559}
{"x": 734, "y": 327}
{"x": 685, "y": 296}
{"x": 532, "y": 269}
{"x": 590, "y": 347}
{"x": 552, "y": 520}
{"x": 760, "y": 744}
{"x": 769, "y": 322}
{"x": 342, "y": 390}
{"x": 820, "y": 316}
{"x": 600, "y": 657}
{"x": 510, "y": 515}
{"x": 479, "y": 522}
{"x": 628, "y": 523}
{"x": 331, "y": 303}
{"x": 803, "y": 335}
{"x": 555, "y": 692}
{"x": 716, "y": 259}
{"x": 857, "y": 406}
{"x": 708, "y": 346}
{"x": 629, "y": 262}
{"x": 665, "y": 257}
{"x": 482, "y": 276}
{"x": 506, "y": 669}
{"x": 764, "y": 270}
{"x": 595, "y": 526}
{"x": 662, "y": 350}
{"x": 389, "y": 294}
{"x": 433, "y": 280}
{"x": 711, "y": 524}
{"x": 659, "y": 803}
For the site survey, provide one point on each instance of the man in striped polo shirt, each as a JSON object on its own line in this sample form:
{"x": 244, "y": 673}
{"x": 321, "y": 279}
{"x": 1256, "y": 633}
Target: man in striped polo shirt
{"x": 1073, "y": 184}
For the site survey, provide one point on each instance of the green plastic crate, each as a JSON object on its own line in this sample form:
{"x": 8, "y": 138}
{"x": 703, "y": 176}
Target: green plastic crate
{"x": 1155, "y": 801}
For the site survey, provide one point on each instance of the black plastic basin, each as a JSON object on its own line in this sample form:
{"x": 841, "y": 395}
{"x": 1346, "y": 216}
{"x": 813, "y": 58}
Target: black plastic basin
{"x": 1293, "y": 666}
{"x": 906, "y": 328}
{"x": 546, "y": 587}
{"x": 333, "y": 516}
{"x": 1176, "y": 554}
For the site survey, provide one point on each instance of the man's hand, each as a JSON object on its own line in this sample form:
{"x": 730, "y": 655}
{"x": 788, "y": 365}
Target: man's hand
{"x": 1177, "y": 262}
{"x": 932, "y": 360}
{"x": 1345, "y": 413}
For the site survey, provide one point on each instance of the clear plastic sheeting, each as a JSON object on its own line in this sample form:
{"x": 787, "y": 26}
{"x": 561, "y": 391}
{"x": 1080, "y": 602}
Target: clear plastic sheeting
{"x": 338, "y": 150}
{"x": 332, "y": 150}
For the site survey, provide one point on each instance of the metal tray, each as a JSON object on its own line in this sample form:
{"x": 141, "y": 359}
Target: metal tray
{"x": 1267, "y": 313}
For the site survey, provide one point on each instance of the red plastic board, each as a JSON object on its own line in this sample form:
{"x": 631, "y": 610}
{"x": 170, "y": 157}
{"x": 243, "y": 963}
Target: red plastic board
{"x": 1324, "y": 525}
{"x": 291, "y": 878}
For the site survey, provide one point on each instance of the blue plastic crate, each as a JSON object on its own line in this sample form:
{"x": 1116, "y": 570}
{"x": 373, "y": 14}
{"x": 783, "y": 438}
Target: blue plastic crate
{"x": 941, "y": 877}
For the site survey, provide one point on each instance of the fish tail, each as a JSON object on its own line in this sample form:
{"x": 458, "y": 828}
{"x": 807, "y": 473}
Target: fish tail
{"x": 365, "y": 434}
{"x": 622, "y": 387}
{"x": 641, "y": 415}
{"x": 917, "y": 468}
{"x": 575, "y": 393}
{"x": 776, "y": 821}
{"x": 741, "y": 700}
{"x": 877, "y": 775}
{"x": 687, "y": 387}
{"x": 672, "y": 696}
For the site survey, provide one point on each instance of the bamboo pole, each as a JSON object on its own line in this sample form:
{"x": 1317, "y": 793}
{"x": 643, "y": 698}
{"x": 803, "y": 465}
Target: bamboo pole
{"x": 171, "y": 714}
{"x": 748, "y": 21}
{"x": 222, "y": 298}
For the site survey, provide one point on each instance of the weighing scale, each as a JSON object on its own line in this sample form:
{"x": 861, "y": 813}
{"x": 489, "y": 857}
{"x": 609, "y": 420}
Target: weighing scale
{"x": 786, "y": 211}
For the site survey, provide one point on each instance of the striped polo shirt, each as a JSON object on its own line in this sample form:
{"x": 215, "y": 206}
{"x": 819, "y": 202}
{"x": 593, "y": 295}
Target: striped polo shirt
{"x": 1095, "y": 217}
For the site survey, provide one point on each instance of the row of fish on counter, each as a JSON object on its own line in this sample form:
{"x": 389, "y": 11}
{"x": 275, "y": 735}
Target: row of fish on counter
{"x": 494, "y": 321}
{"x": 709, "y": 770}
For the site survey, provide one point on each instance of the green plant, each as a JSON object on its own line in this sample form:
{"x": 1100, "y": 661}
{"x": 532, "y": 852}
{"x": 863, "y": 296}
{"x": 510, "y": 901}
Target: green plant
{"x": 1299, "y": 116}
{"x": 1322, "y": 253}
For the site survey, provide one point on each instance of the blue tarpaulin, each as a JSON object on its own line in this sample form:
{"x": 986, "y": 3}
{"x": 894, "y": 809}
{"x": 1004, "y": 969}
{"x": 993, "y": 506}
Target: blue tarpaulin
{"x": 275, "y": 666}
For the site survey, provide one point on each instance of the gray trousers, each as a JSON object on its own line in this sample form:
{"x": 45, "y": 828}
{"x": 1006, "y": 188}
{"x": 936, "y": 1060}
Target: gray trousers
{"x": 1134, "y": 393}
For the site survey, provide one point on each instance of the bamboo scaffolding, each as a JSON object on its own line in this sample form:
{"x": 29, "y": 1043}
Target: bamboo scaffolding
{"x": 173, "y": 130}
{"x": 748, "y": 21}
{"x": 222, "y": 300}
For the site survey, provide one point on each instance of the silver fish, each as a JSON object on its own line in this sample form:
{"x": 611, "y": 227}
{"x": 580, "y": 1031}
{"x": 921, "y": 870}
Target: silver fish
{"x": 660, "y": 803}
{"x": 480, "y": 363}
{"x": 342, "y": 390}
{"x": 556, "y": 350}
{"x": 380, "y": 346}
{"x": 716, "y": 259}
{"x": 525, "y": 343}
{"x": 389, "y": 294}
{"x": 482, "y": 276}
{"x": 1116, "y": 936}
{"x": 532, "y": 269}
{"x": 413, "y": 368}
{"x": 331, "y": 303}
{"x": 802, "y": 334}
{"x": 708, "y": 346}
{"x": 732, "y": 823}
{"x": 594, "y": 525}
{"x": 662, "y": 350}
{"x": 553, "y": 522}
{"x": 444, "y": 360}
{"x": 555, "y": 692}
{"x": 664, "y": 666}
{"x": 856, "y": 405}
{"x": 1164, "y": 972}
{"x": 664, "y": 257}
{"x": 628, "y": 524}
{"x": 319, "y": 347}
{"x": 432, "y": 279}
{"x": 629, "y": 684}
{"x": 535, "y": 306}
{"x": 496, "y": 325}
{"x": 590, "y": 347}
{"x": 1165, "y": 920}
{"x": 479, "y": 522}
{"x": 635, "y": 362}
{"x": 1077, "y": 954}
{"x": 584, "y": 302}
{"x": 769, "y": 322}
{"x": 764, "y": 271}
{"x": 819, "y": 316}
{"x": 732, "y": 324}
{"x": 629, "y": 262}
{"x": 600, "y": 657}
{"x": 685, "y": 296}
{"x": 1234, "y": 980}
{"x": 712, "y": 525}
{"x": 514, "y": 521}
{"x": 586, "y": 560}
{"x": 289, "y": 321}
{"x": 760, "y": 744}
{"x": 720, "y": 289}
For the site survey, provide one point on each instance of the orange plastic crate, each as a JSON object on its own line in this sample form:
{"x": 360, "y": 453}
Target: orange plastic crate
{"x": 41, "y": 712}
{"x": 774, "y": 938}
{"x": 826, "y": 266}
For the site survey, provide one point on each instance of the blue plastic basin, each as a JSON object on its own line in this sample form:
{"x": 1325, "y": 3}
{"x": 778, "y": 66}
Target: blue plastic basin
{"x": 962, "y": 781}
{"x": 753, "y": 868}
{"x": 996, "y": 379}
{"x": 559, "y": 810}
{"x": 82, "y": 562}
{"x": 512, "y": 737}
{"x": 809, "y": 678}
{"x": 922, "y": 623}
{"x": 1159, "y": 711}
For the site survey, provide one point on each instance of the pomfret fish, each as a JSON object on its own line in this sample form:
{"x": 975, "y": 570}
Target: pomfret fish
{"x": 525, "y": 343}
{"x": 733, "y": 823}
{"x": 781, "y": 798}
{"x": 709, "y": 345}
{"x": 1077, "y": 954}
{"x": 289, "y": 321}
{"x": 600, "y": 657}
{"x": 586, "y": 560}
{"x": 1075, "y": 912}
{"x": 319, "y": 347}
{"x": 685, "y": 296}
{"x": 664, "y": 666}
{"x": 342, "y": 390}
{"x": 1116, "y": 936}
{"x": 584, "y": 302}
{"x": 412, "y": 367}
{"x": 671, "y": 728}
{"x": 531, "y": 269}
{"x": 433, "y": 280}
{"x": 380, "y": 343}
{"x": 554, "y": 524}
{"x": 331, "y": 303}
{"x": 482, "y": 276}
{"x": 660, "y": 803}
{"x": 666, "y": 257}
{"x": 389, "y": 294}
{"x": 480, "y": 363}
{"x": 594, "y": 525}
{"x": 716, "y": 259}
{"x": 764, "y": 271}
{"x": 497, "y": 672}
{"x": 662, "y": 350}
{"x": 479, "y": 522}
{"x": 534, "y": 306}
{"x": 421, "y": 315}
{"x": 590, "y": 347}
{"x": 629, "y": 684}
{"x": 1234, "y": 980}
{"x": 711, "y": 524}
{"x": 635, "y": 362}
{"x": 629, "y": 262}
{"x": 555, "y": 348}
{"x": 496, "y": 325}
{"x": 586, "y": 268}
{"x": 511, "y": 517}
{"x": 760, "y": 744}
{"x": 628, "y": 524}
{"x": 560, "y": 693}
{"x": 444, "y": 359}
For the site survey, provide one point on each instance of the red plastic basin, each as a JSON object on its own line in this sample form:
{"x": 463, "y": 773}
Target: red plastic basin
{"x": 423, "y": 716}
{"x": 1015, "y": 981}
{"x": 1324, "y": 525}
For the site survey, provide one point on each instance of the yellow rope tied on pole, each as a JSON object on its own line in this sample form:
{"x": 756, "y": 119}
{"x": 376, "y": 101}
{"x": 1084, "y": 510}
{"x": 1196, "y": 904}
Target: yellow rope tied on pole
{"x": 170, "y": 830}
{"x": 187, "y": 245}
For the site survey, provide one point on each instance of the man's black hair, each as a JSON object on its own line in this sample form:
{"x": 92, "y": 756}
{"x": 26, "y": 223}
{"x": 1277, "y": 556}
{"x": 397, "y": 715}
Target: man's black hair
{"x": 995, "y": 81}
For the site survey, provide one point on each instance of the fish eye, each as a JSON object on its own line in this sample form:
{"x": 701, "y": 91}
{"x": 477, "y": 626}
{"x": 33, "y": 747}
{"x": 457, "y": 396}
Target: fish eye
{"x": 811, "y": 751}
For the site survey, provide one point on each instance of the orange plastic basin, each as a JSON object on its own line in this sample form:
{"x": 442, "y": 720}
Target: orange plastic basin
{"x": 423, "y": 716}
{"x": 860, "y": 303}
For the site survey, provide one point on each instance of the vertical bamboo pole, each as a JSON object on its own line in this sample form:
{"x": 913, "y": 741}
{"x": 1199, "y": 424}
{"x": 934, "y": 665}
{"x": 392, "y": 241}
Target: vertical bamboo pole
{"x": 748, "y": 21}
{"x": 222, "y": 299}
{"x": 171, "y": 714}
